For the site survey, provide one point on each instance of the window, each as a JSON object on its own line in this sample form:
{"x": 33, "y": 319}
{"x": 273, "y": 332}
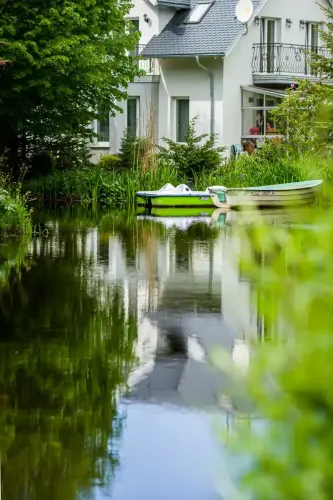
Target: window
{"x": 257, "y": 121}
{"x": 198, "y": 12}
{"x": 103, "y": 129}
{"x": 182, "y": 118}
{"x": 134, "y": 25}
{"x": 312, "y": 36}
{"x": 132, "y": 116}
{"x": 134, "y": 28}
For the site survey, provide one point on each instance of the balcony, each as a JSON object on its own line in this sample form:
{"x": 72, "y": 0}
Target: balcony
{"x": 149, "y": 66}
{"x": 280, "y": 64}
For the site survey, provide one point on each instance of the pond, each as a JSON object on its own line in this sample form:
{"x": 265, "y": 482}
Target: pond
{"x": 107, "y": 323}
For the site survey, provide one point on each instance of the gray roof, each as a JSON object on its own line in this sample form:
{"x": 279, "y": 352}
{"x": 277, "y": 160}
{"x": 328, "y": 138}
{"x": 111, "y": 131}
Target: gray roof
{"x": 177, "y": 4}
{"x": 212, "y": 36}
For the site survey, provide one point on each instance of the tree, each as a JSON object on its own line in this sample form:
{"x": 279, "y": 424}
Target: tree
{"x": 69, "y": 63}
{"x": 297, "y": 115}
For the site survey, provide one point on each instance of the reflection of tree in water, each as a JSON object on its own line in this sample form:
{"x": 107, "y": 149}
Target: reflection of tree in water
{"x": 66, "y": 347}
{"x": 13, "y": 258}
{"x": 184, "y": 242}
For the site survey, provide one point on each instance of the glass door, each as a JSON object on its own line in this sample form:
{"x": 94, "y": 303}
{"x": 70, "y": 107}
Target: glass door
{"x": 312, "y": 44}
{"x": 268, "y": 40}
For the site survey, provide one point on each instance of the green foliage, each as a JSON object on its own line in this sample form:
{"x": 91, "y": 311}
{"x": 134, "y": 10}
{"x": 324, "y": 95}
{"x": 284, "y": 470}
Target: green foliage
{"x": 43, "y": 163}
{"x": 197, "y": 154}
{"x": 288, "y": 453}
{"x": 67, "y": 60}
{"x": 97, "y": 184}
{"x": 133, "y": 150}
{"x": 15, "y": 217}
{"x": 296, "y": 117}
{"x": 269, "y": 164}
{"x": 110, "y": 162}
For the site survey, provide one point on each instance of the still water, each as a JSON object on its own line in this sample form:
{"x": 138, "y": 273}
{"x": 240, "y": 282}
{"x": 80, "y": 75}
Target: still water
{"x": 107, "y": 323}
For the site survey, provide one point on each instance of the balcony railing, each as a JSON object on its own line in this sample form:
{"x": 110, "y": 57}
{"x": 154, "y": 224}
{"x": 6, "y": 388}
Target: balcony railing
{"x": 149, "y": 66}
{"x": 283, "y": 58}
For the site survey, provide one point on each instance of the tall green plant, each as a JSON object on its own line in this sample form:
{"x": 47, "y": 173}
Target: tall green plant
{"x": 197, "y": 154}
{"x": 132, "y": 151}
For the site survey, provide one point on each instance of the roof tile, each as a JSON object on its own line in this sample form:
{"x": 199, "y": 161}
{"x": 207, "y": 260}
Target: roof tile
{"x": 212, "y": 36}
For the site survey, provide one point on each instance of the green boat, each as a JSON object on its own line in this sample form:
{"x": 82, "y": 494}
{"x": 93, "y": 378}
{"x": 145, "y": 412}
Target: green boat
{"x": 276, "y": 195}
{"x": 180, "y": 196}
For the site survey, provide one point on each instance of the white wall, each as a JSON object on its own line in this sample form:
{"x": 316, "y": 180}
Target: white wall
{"x": 147, "y": 93}
{"x": 183, "y": 78}
{"x": 238, "y": 64}
{"x": 158, "y": 18}
{"x": 238, "y": 310}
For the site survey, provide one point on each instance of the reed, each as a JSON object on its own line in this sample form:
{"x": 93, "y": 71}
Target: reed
{"x": 15, "y": 217}
{"x": 98, "y": 185}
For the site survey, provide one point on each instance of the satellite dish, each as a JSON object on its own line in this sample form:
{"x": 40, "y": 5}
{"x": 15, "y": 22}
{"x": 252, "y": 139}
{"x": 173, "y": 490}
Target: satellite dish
{"x": 244, "y": 11}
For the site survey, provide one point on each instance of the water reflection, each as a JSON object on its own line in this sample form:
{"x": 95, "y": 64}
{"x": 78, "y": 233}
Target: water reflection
{"x": 107, "y": 307}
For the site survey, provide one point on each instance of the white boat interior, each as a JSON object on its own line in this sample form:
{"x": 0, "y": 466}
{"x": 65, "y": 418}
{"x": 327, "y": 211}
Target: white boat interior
{"x": 181, "y": 189}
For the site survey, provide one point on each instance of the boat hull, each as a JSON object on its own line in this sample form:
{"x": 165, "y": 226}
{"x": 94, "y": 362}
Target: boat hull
{"x": 219, "y": 199}
{"x": 270, "y": 199}
{"x": 191, "y": 200}
{"x": 280, "y": 195}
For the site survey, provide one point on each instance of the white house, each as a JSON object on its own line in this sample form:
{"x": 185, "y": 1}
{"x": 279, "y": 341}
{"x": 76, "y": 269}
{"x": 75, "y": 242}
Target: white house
{"x": 201, "y": 61}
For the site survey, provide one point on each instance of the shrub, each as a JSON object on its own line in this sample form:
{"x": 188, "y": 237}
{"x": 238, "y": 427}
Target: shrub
{"x": 14, "y": 214}
{"x": 133, "y": 150}
{"x": 196, "y": 154}
{"x": 109, "y": 162}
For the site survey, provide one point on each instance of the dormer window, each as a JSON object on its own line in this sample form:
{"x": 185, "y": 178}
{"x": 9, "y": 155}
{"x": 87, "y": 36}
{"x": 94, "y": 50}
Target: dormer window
{"x": 198, "y": 12}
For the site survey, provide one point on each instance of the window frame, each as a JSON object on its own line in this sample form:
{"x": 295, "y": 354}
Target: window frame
{"x": 176, "y": 115}
{"x": 255, "y": 109}
{"x": 137, "y": 128}
{"x": 209, "y": 6}
{"x": 100, "y": 144}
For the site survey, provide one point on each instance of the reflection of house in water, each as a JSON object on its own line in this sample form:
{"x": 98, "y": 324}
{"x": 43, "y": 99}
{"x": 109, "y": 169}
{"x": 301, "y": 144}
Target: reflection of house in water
{"x": 186, "y": 293}
{"x": 246, "y": 308}
{"x": 188, "y": 326}
{"x": 181, "y": 272}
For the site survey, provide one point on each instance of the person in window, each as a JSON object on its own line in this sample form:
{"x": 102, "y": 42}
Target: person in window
{"x": 270, "y": 127}
{"x": 260, "y": 122}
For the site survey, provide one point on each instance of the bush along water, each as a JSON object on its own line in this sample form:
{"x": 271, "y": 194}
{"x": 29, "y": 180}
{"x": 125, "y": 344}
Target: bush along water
{"x": 198, "y": 162}
{"x": 14, "y": 213}
{"x": 96, "y": 184}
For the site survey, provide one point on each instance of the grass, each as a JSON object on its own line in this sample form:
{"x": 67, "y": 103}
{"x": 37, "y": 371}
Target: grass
{"x": 256, "y": 170}
{"x": 14, "y": 213}
{"x": 117, "y": 187}
{"x": 98, "y": 185}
